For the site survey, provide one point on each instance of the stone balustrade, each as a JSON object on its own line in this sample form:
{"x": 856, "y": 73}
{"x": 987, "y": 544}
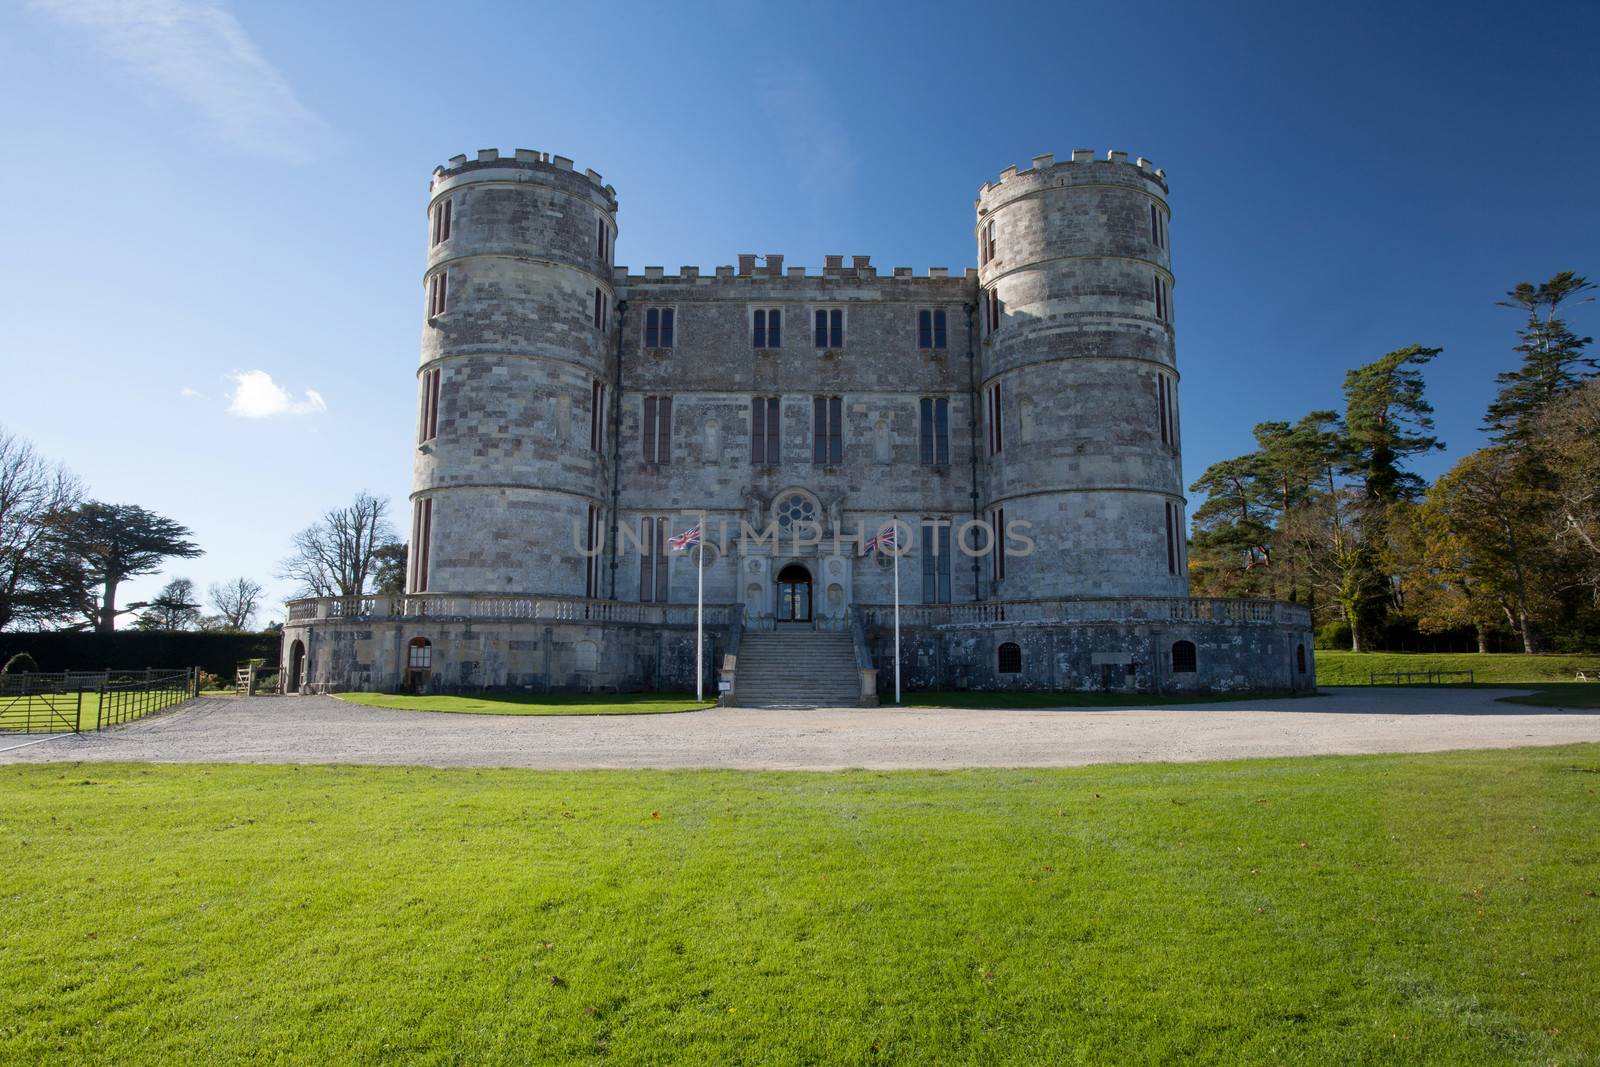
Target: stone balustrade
{"x": 500, "y": 608}
{"x": 1092, "y": 610}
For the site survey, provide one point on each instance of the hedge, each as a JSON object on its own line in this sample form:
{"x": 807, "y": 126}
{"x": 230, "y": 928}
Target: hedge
{"x": 128, "y": 650}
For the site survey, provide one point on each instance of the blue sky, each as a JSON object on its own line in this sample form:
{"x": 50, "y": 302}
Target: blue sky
{"x": 203, "y": 191}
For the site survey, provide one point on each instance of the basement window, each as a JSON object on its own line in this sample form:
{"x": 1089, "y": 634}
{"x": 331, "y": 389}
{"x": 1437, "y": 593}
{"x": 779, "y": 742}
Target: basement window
{"x": 1183, "y": 657}
{"x": 1008, "y": 658}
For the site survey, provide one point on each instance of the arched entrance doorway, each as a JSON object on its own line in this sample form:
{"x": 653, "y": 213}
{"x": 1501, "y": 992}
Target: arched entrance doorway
{"x": 794, "y": 594}
{"x": 297, "y": 666}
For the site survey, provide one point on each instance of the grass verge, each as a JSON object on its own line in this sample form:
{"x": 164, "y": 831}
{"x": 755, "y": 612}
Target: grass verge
{"x": 1354, "y": 668}
{"x": 536, "y": 703}
{"x": 1419, "y": 908}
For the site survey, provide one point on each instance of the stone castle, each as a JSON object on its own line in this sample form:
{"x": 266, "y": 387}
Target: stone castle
{"x": 1018, "y": 422}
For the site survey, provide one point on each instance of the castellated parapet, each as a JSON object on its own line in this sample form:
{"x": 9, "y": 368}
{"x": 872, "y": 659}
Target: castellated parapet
{"x": 565, "y": 401}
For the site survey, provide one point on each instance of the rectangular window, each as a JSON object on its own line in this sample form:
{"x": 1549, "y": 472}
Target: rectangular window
{"x": 934, "y": 423}
{"x": 827, "y": 437}
{"x": 935, "y": 564}
{"x": 997, "y": 554}
{"x": 429, "y": 423}
{"x": 1173, "y": 528}
{"x": 653, "y": 560}
{"x": 764, "y": 431}
{"x": 830, "y": 328}
{"x": 994, "y": 419}
{"x": 599, "y": 310}
{"x": 1163, "y": 299}
{"x": 931, "y": 328}
{"x": 991, "y": 309}
{"x": 768, "y": 328}
{"x": 438, "y": 293}
{"x": 657, "y": 432}
{"x": 421, "y": 543}
{"x": 591, "y": 544}
{"x": 1161, "y": 409}
{"x": 597, "y": 416}
{"x": 659, "y": 327}
{"x": 986, "y": 250}
{"x": 441, "y": 221}
{"x": 602, "y": 240}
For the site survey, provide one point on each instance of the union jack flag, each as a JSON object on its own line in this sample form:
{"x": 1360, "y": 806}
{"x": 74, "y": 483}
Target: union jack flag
{"x": 883, "y": 540}
{"x": 689, "y": 537}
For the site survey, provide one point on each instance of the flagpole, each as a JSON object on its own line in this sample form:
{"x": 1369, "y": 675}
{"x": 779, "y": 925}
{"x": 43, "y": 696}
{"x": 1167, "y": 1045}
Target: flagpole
{"x": 699, "y": 615}
{"x": 896, "y": 528}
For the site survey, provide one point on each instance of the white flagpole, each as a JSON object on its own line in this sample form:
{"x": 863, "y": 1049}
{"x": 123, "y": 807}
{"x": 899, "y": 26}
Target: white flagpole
{"x": 699, "y": 615}
{"x": 896, "y": 529}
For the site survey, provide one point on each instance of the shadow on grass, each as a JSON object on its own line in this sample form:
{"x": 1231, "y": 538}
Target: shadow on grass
{"x": 1573, "y": 696}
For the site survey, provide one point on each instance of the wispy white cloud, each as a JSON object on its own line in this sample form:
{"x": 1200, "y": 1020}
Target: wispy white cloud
{"x": 256, "y": 396}
{"x": 197, "y": 51}
{"x": 189, "y": 393}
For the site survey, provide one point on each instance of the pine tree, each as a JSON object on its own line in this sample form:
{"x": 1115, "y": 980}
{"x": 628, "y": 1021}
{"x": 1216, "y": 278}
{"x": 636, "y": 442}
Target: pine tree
{"x": 1553, "y": 358}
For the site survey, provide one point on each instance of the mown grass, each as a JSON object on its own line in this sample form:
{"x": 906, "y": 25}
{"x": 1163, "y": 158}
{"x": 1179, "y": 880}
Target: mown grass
{"x": 1412, "y": 909}
{"x": 1019, "y": 699}
{"x": 1354, "y": 668}
{"x": 57, "y": 712}
{"x": 536, "y": 703}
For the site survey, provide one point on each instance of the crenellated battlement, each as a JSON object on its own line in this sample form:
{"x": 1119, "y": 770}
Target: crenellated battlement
{"x": 1081, "y": 165}
{"x": 860, "y": 270}
{"x": 525, "y": 158}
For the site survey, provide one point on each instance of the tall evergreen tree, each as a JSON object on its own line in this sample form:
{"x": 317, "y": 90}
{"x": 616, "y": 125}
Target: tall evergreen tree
{"x": 1553, "y": 358}
{"x": 96, "y": 547}
{"x": 1387, "y": 419}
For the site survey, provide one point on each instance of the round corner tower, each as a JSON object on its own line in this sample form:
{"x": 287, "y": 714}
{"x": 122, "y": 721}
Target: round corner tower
{"x": 1077, "y": 356}
{"x": 510, "y": 475}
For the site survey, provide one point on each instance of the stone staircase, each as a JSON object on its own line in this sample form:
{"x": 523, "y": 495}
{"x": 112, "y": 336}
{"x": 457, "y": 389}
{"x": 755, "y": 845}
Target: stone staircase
{"x": 796, "y": 669}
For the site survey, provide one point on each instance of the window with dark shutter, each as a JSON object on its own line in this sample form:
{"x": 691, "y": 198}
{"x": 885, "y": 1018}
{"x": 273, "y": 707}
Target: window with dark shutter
{"x": 936, "y": 564}
{"x": 1174, "y": 531}
{"x": 597, "y": 418}
{"x": 1008, "y": 658}
{"x": 934, "y": 427}
{"x": 827, "y": 437}
{"x": 994, "y": 419}
{"x": 429, "y": 428}
{"x": 829, "y": 328}
{"x": 997, "y": 553}
{"x": 1161, "y": 408}
{"x": 653, "y": 560}
{"x": 758, "y": 319}
{"x": 924, "y": 328}
{"x": 652, "y": 328}
{"x": 764, "y": 431}
{"x": 657, "y": 429}
{"x": 1184, "y": 660}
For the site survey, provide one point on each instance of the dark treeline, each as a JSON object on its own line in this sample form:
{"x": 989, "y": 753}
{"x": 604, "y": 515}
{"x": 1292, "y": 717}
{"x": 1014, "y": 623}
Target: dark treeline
{"x": 1504, "y": 549}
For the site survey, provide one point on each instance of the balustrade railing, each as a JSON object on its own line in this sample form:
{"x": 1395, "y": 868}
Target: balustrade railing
{"x": 578, "y": 609}
{"x": 1091, "y": 609}
{"x": 510, "y": 608}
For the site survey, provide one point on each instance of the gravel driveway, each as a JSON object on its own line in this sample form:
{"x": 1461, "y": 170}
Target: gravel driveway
{"x": 324, "y": 730}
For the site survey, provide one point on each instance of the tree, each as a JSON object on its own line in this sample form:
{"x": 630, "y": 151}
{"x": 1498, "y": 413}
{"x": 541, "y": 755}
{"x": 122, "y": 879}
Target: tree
{"x": 1386, "y": 420}
{"x": 335, "y": 556}
{"x": 1568, "y": 442}
{"x": 96, "y": 547}
{"x": 1553, "y": 358}
{"x": 236, "y": 602}
{"x": 31, "y": 490}
{"x": 389, "y": 569}
{"x": 174, "y": 608}
{"x": 1486, "y": 528}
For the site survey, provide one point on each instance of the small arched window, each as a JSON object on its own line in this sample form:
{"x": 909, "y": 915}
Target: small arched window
{"x": 420, "y": 654}
{"x": 1009, "y": 658}
{"x": 1183, "y": 657}
{"x": 1300, "y": 658}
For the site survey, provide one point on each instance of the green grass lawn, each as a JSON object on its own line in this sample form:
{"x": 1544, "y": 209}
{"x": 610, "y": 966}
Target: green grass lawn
{"x": 1434, "y": 908}
{"x": 1352, "y": 668}
{"x": 1019, "y": 699}
{"x": 65, "y": 708}
{"x": 537, "y": 703}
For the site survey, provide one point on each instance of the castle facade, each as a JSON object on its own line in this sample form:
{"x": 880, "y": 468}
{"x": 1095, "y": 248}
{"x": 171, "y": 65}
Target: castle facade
{"x": 1017, "y": 423}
